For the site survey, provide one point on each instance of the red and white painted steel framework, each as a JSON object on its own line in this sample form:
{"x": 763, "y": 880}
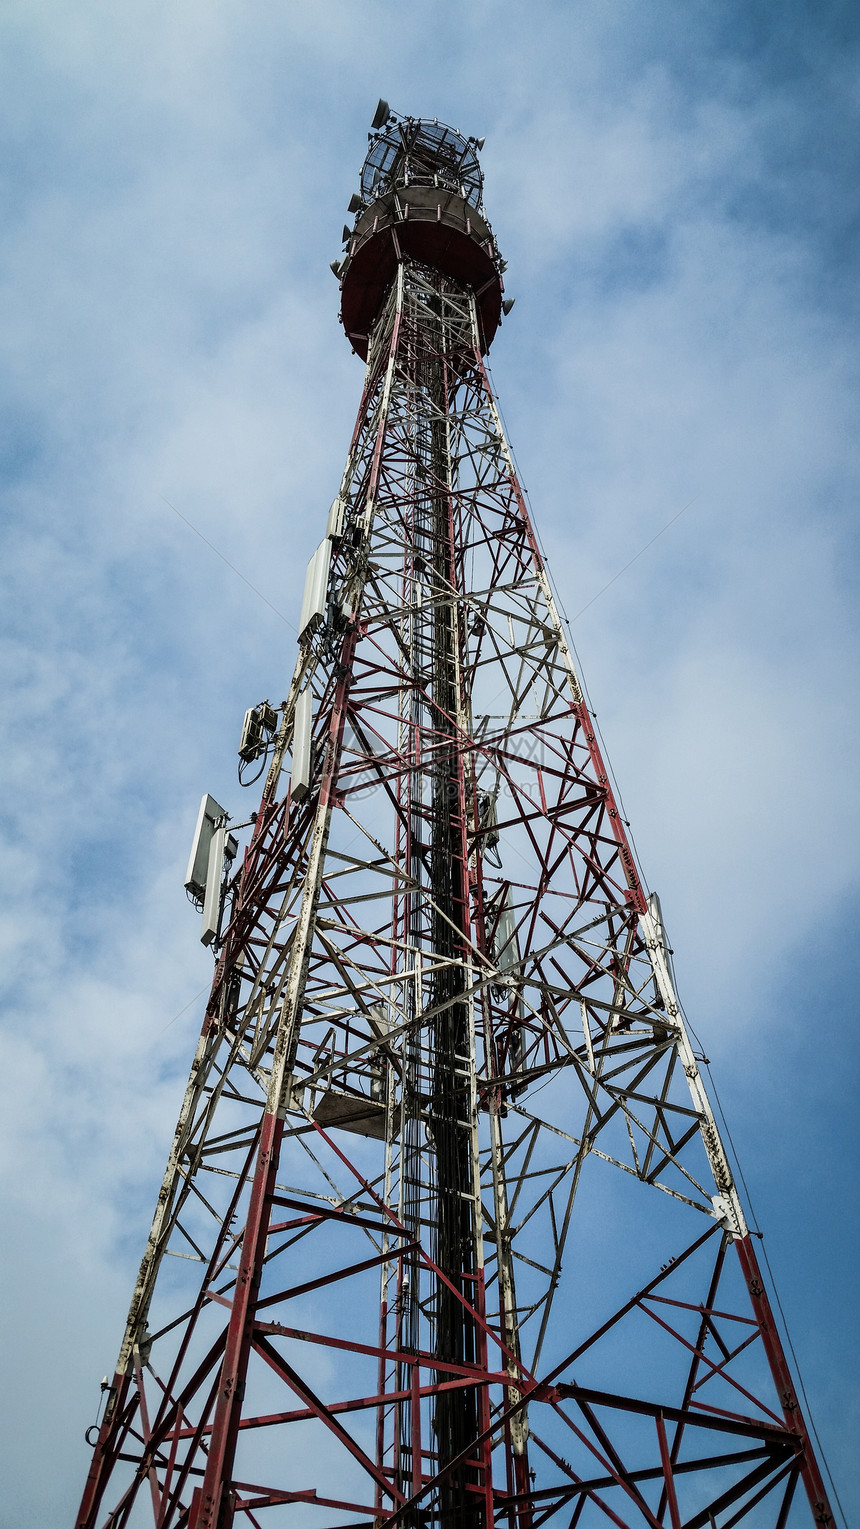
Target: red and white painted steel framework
{"x": 447, "y": 1234}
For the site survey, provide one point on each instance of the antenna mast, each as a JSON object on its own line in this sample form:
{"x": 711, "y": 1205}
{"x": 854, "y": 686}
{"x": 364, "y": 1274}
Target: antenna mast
{"x": 447, "y": 1234}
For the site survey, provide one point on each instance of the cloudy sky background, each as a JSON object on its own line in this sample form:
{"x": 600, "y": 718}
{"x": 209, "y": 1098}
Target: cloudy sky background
{"x": 674, "y": 184}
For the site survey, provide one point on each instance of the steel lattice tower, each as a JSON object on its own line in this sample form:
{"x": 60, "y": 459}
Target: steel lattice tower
{"x": 447, "y": 1234}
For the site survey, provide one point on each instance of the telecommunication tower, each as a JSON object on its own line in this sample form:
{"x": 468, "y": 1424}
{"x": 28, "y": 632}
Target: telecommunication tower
{"x": 448, "y": 1235}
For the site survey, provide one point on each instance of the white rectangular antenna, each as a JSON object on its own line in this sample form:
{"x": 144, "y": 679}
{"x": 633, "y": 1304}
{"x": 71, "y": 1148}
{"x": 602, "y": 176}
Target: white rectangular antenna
{"x": 506, "y": 953}
{"x": 301, "y": 777}
{"x": 198, "y": 861}
{"x": 250, "y": 736}
{"x": 316, "y": 588}
{"x": 378, "y": 1021}
{"x": 334, "y": 529}
{"x": 212, "y": 900}
{"x": 224, "y": 845}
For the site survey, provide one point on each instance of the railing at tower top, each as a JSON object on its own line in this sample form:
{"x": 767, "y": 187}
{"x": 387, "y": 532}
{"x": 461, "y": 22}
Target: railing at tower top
{"x": 409, "y": 151}
{"x": 421, "y": 198}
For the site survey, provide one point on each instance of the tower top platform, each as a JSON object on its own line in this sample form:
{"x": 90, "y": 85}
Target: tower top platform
{"x": 421, "y": 198}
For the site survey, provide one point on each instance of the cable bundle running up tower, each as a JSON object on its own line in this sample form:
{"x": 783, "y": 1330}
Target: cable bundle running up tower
{"x": 447, "y": 1235}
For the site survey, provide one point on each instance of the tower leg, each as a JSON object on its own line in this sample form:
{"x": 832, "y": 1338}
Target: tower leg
{"x": 792, "y": 1411}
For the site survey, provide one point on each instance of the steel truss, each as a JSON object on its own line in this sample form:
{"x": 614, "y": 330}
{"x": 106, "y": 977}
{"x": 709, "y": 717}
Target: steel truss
{"x": 447, "y": 1235}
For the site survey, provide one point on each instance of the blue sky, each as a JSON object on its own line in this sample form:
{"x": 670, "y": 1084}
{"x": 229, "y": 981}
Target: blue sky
{"x": 674, "y": 186}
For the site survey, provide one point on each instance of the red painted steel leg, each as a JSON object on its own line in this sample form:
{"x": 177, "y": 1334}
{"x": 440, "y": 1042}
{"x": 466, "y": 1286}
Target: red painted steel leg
{"x": 104, "y": 1454}
{"x": 795, "y": 1421}
{"x": 213, "y": 1510}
